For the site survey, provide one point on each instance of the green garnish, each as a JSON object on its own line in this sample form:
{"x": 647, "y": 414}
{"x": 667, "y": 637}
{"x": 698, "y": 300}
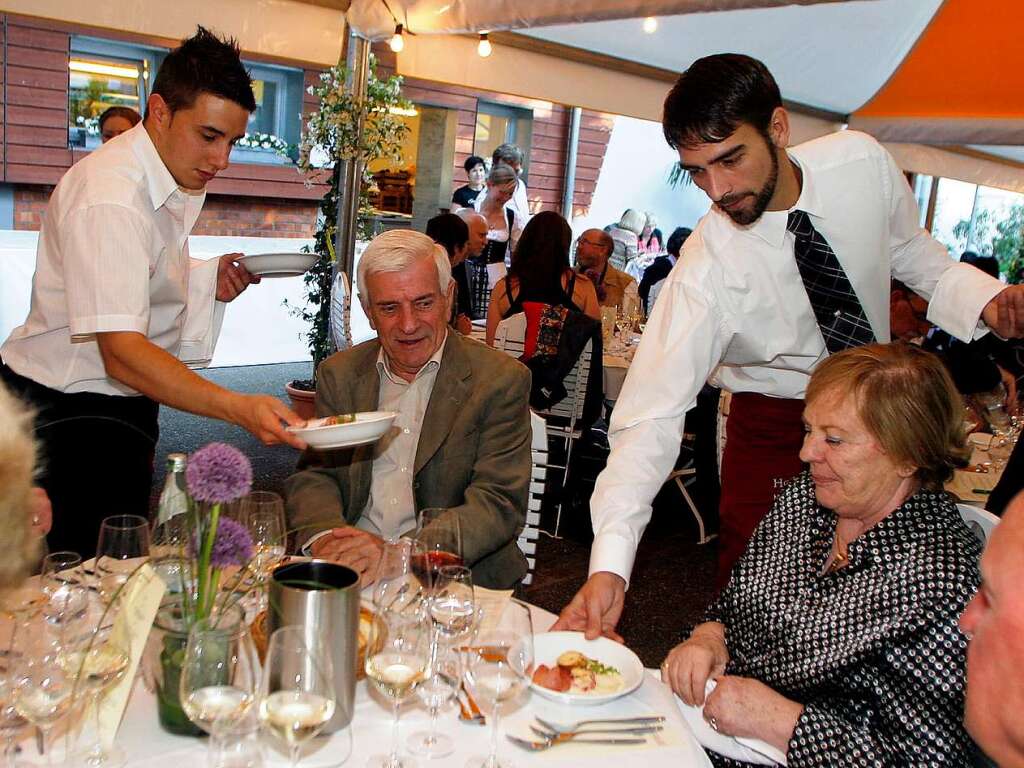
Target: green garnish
{"x": 598, "y": 668}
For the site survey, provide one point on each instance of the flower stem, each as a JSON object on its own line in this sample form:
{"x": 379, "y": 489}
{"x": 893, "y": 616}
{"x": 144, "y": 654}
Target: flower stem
{"x": 203, "y": 599}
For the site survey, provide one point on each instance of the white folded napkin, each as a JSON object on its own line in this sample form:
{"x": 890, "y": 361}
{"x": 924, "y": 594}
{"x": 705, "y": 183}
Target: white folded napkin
{"x": 747, "y": 750}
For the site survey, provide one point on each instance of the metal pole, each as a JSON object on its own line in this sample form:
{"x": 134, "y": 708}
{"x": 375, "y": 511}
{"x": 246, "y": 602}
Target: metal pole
{"x": 358, "y": 63}
{"x": 571, "y": 146}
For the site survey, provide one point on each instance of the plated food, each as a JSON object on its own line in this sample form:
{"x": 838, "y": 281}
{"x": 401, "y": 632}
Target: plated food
{"x": 345, "y": 430}
{"x": 597, "y": 671}
{"x": 574, "y": 672}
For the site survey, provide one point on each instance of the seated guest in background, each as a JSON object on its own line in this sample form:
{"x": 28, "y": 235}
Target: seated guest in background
{"x": 540, "y": 273}
{"x": 461, "y": 439}
{"x": 116, "y": 120}
{"x": 451, "y": 233}
{"x": 464, "y": 196}
{"x": 614, "y": 288}
{"x": 994, "y": 625}
{"x": 650, "y": 239}
{"x": 836, "y": 637}
{"x": 650, "y": 283}
{"x": 626, "y": 234}
{"x": 22, "y": 506}
{"x": 987, "y": 264}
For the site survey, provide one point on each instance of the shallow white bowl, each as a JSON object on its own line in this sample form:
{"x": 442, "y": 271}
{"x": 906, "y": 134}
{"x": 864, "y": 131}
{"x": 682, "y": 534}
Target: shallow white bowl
{"x": 368, "y": 427}
{"x": 547, "y": 647}
{"x": 278, "y": 264}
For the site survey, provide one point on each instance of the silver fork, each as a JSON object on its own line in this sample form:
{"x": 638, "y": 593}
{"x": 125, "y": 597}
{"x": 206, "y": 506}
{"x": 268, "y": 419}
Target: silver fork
{"x": 575, "y": 735}
{"x": 539, "y": 746}
{"x": 636, "y": 721}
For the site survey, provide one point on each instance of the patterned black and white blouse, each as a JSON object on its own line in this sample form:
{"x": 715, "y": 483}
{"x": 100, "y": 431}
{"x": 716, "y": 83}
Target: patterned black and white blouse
{"x": 872, "y": 650}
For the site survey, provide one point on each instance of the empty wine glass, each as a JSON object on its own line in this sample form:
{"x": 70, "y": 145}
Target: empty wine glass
{"x": 441, "y": 682}
{"x": 96, "y": 665}
{"x": 398, "y": 587}
{"x": 67, "y": 596}
{"x": 453, "y": 606}
{"x": 296, "y": 693}
{"x": 122, "y": 547}
{"x": 43, "y": 690}
{"x": 11, "y": 723}
{"x": 396, "y": 660}
{"x": 262, "y": 513}
{"x": 439, "y": 531}
{"x": 218, "y": 677}
{"x": 168, "y": 552}
{"x": 497, "y": 667}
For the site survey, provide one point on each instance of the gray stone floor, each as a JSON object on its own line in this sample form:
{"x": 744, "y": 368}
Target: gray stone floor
{"x": 671, "y": 581}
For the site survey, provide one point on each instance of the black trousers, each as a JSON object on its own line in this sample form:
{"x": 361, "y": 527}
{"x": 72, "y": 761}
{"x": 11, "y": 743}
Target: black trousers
{"x": 95, "y": 460}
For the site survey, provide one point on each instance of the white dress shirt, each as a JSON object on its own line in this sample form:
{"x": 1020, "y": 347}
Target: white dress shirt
{"x": 113, "y": 256}
{"x": 735, "y": 306}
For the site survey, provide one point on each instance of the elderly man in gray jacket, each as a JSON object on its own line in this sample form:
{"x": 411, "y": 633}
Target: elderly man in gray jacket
{"x": 461, "y": 440}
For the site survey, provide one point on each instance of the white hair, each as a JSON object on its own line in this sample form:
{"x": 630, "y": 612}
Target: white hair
{"x": 632, "y": 220}
{"x": 17, "y": 462}
{"x": 398, "y": 249}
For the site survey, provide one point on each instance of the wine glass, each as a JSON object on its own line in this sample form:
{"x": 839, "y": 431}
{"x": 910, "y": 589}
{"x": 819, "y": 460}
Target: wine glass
{"x": 263, "y": 514}
{"x": 452, "y": 606}
{"x": 497, "y": 667}
{"x": 96, "y": 665}
{"x": 43, "y": 691}
{"x": 440, "y": 533}
{"x": 67, "y": 596}
{"x": 11, "y": 722}
{"x": 218, "y": 676}
{"x": 441, "y": 682}
{"x": 168, "y": 552}
{"x": 122, "y": 547}
{"x": 398, "y": 587}
{"x": 396, "y": 659}
{"x": 296, "y": 693}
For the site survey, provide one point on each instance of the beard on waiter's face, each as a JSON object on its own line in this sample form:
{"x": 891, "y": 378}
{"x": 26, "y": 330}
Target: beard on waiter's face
{"x": 744, "y": 215}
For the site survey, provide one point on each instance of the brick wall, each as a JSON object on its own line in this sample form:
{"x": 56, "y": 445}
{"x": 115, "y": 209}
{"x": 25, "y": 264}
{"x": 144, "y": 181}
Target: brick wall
{"x": 256, "y": 217}
{"x": 29, "y": 204}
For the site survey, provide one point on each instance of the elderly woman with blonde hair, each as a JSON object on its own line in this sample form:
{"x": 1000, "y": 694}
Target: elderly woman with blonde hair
{"x": 21, "y": 506}
{"x": 836, "y": 638}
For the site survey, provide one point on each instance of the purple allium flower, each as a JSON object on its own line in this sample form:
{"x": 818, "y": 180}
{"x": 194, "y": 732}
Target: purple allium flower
{"x": 218, "y": 473}
{"x": 232, "y": 545}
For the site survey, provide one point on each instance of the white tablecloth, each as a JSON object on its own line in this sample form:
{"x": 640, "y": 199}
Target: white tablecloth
{"x": 148, "y": 746}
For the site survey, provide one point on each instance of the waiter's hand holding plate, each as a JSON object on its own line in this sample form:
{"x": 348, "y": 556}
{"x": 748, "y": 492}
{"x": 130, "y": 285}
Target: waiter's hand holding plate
{"x": 278, "y": 264}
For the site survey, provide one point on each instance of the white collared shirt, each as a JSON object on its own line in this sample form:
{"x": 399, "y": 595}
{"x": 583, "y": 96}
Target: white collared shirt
{"x": 735, "y": 309}
{"x": 113, "y": 256}
{"x": 390, "y": 510}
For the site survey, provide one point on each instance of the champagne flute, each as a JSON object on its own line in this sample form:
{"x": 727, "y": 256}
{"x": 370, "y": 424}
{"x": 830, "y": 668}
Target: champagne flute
{"x": 96, "y": 665}
{"x": 439, "y": 531}
{"x": 453, "y": 606}
{"x": 67, "y": 596}
{"x": 497, "y": 668}
{"x": 396, "y": 661}
{"x": 440, "y": 684}
{"x": 296, "y": 693}
{"x": 122, "y": 547}
{"x": 43, "y": 690}
{"x": 218, "y": 677}
{"x": 398, "y": 587}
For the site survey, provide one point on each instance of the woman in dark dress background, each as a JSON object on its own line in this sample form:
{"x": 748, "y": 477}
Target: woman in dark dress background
{"x": 476, "y": 171}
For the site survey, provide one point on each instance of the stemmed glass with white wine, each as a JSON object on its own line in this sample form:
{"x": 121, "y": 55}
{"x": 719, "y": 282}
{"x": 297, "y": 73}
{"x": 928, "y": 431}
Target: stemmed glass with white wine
{"x": 497, "y": 668}
{"x": 219, "y": 675}
{"x": 397, "y": 655}
{"x": 296, "y": 693}
{"x": 43, "y": 692}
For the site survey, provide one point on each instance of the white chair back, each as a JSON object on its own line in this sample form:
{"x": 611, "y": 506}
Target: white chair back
{"x": 510, "y": 337}
{"x": 980, "y": 521}
{"x": 538, "y": 475}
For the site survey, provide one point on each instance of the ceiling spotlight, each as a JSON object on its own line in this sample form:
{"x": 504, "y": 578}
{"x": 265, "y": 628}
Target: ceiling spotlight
{"x": 650, "y": 25}
{"x": 397, "y": 41}
{"x": 484, "y": 46}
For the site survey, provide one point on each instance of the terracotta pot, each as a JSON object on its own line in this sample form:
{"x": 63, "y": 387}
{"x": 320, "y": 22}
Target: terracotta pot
{"x": 303, "y": 401}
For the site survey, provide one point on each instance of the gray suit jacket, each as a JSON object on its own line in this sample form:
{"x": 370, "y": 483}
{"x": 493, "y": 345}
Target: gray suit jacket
{"x": 473, "y": 457}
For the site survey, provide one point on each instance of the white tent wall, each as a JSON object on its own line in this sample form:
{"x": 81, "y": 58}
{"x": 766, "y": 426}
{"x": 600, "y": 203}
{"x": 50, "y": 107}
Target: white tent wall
{"x": 935, "y": 161}
{"x": 285, "y": 28}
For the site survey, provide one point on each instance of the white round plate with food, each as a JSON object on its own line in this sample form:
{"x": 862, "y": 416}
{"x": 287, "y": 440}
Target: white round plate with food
{"x": 278, "y": 264}
{"x": 346, "y": 430}
{"x": 606, "y": 671}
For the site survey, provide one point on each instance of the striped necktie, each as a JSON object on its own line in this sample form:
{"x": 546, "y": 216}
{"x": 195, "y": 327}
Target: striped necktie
{"x": 839, "y": 312}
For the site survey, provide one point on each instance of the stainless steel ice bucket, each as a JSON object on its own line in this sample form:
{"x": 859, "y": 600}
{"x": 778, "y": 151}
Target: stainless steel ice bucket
{"x": 323, "y": 599}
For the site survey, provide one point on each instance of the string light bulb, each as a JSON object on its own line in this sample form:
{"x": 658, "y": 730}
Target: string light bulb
{"x": 397, "y": 41}
{"x": 650, "y": 25}
{"x": 484, "y": 46}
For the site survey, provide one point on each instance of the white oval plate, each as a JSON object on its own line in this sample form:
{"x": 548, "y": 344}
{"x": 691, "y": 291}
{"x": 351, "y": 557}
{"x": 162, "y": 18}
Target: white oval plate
{"x": 278, "y": 264}
{"x": 368, "y": 427}
{"x": 547, "y": 647}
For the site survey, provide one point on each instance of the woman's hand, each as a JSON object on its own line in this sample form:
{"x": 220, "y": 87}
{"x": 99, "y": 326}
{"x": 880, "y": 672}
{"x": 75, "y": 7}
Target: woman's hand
{"x": 742, "y": 706}
{"x": 690, "y": 664}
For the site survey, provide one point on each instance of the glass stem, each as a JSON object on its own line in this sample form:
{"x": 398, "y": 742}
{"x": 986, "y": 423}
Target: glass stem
{"x": 9, "y": 752}
{"x": 44, "y": 740}
{"x": 296, "y": 748}
{"x": 492, "y": 761}
{"x": 432, "y": 738}
{"x": 393, "y": 757}
{"x": 97, "y": 747}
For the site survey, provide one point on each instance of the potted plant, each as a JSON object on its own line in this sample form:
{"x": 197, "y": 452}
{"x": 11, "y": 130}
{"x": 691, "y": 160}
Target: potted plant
{"x": 332, "y": 133}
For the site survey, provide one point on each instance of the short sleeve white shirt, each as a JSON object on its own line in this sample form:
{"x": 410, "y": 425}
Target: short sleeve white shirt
{"x": 113, "y": 256}
{"x": 734, "y": 309}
